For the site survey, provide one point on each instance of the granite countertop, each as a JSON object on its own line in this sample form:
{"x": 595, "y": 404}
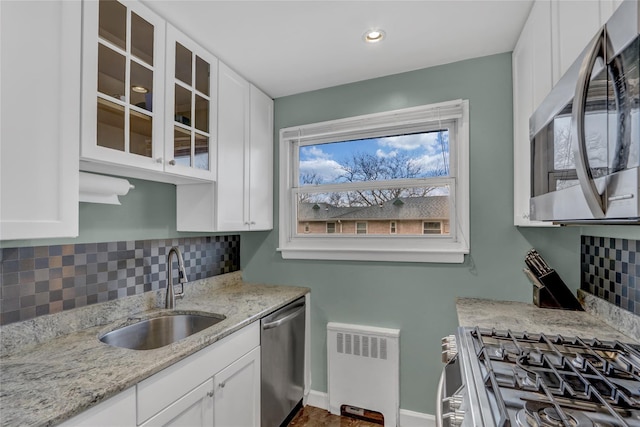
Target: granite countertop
{"x": 54, "y": 367}
{"x": 523, "y": 317}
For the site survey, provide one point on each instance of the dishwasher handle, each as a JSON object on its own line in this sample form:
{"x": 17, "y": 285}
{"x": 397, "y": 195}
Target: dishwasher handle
{"x": 284, "y": 319}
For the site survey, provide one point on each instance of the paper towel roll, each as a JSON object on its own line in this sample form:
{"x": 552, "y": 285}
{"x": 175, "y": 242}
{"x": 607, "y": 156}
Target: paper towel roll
{"x": 102, "y": 189}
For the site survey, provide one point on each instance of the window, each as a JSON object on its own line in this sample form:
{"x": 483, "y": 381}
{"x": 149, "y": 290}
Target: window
{"x": 361, "y": 228}
{"x": 431, "y": 227}
{"x": 385, "y": 180}
{"x": 307, "y": 228}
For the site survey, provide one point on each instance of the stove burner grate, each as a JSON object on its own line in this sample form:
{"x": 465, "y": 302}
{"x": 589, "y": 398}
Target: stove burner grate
{"x": 585, "y": 372}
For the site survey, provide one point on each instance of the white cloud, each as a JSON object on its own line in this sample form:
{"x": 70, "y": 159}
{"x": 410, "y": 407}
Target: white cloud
{"x": 317, "y": 162}
{"x": 429, "y": 162}
{"x": 383, "y": 154}
{"x": 410, "y": 142}
{"x": 314, "y": 152}
{"x": 325, "y": 169}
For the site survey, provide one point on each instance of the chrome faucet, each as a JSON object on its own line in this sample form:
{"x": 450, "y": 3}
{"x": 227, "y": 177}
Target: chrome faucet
{"x": 182, "y": 278}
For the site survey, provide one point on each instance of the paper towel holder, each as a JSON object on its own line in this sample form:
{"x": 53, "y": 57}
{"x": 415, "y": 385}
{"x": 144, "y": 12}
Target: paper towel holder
{"x": 102, "y": 189}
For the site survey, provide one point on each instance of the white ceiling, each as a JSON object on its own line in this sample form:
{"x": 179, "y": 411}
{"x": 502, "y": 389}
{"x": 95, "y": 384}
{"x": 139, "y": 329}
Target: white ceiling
{"x": 289, "y": 47}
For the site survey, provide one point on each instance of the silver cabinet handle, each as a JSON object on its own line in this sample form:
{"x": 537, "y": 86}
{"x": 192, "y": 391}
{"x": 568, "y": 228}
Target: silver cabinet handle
{"x": 172, "y": 162}
{"x": 595, "y": 201}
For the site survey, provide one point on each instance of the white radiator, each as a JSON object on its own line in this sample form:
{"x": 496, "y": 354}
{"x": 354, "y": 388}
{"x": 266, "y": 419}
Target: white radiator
{"x": 363, "y": 365}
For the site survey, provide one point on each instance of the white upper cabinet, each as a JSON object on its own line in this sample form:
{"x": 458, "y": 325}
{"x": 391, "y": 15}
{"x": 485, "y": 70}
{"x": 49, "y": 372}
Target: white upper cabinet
{"x": 123, "y": 85}
{"x": 531, "y": 83}
{"x": 245, "y": 170}
{"x": 191, "y": 108}
{"x": 233, "y": 136}
{"x": 260, "y": 162}
{"x": 149, "y": 97}
{"x": 40, "y": 103}
{"x": 242, "y": 197}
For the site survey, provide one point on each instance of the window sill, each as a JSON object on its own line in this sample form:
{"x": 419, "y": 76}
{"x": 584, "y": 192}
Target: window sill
{"x": 452, "y": 256}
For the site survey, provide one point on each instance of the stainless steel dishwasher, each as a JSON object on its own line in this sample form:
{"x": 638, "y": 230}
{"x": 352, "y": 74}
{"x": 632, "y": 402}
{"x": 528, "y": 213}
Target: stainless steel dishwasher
{"x": 282, "y": 363}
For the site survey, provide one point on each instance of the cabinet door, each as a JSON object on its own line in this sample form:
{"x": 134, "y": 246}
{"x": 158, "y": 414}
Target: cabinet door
{"x": 236, "y": 392}
{"x": 261, "y": 162}
{"x": 193, "y": 409}
{"x": 233, "y": 133}
{"x": 531, "y": 83}
{"x": 122, "y": 85}
{"x": 120, "y": 410}
{"x": 191, "y": 108}
{"x": 574, "y": 23}
{"x": 40, "y": 67}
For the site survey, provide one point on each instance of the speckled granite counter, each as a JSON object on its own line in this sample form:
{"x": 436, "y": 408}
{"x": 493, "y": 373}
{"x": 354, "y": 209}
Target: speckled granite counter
{"x": 523, "y": 317}
{"x": 54, "y": 367}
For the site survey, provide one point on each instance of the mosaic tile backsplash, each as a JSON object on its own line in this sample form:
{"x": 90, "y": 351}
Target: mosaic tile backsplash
{"x": 611, "y": 270}
{"x": 48, "y": 279}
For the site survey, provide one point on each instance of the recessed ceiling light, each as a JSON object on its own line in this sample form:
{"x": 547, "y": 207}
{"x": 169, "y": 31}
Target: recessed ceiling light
{"x": 139, "y": 89}
{"x": 373, "y": 36}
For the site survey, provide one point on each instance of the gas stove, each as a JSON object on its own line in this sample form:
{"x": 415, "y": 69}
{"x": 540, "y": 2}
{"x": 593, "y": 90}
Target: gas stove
{"x": 504, "y": 378}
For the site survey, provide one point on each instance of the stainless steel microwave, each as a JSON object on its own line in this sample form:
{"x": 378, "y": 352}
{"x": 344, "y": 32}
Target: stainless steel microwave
{"x": 585, "y": 136}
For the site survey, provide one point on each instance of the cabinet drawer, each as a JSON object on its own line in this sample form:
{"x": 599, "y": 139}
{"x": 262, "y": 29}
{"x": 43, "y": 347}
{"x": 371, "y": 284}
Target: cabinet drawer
{"x": 160, "y": 390}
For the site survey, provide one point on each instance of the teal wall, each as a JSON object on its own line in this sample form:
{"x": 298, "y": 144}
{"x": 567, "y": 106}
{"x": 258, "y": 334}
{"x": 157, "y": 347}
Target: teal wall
{"x": 420, "y": 298}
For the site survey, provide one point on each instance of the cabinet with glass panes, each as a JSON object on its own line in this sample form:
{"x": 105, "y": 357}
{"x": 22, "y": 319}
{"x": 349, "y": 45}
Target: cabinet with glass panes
{"x": 191, "y": 107}
{"x": 142, "y": 116}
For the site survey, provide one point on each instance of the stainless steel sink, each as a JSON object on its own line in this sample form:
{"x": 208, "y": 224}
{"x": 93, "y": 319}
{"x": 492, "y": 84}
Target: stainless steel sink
{"x": 159, "y": 331}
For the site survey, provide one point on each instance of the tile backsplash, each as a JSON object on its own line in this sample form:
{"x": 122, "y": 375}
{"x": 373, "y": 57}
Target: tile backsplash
{"x": 611, "y": 270}
{"x": 48, "y": 279}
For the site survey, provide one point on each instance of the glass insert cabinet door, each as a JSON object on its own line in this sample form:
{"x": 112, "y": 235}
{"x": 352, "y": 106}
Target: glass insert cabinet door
{"x": 191, "y": 107}
{"x": 123, "y": 84}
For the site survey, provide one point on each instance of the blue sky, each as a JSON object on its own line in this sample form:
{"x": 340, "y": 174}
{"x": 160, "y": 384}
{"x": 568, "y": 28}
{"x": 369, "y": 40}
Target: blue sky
{"x": 423, "y": 149}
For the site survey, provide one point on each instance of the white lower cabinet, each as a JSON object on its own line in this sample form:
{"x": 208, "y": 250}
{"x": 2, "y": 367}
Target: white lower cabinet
{"x": 236, "y": 393}
{"x": 193, "y": 409}
{"x": 185, "y": 393}
{"x": 216, "y": 386}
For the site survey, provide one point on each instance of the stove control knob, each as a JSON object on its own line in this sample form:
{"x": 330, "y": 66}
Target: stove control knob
{"x": 455, "y": 418}
{"x": 454, "y": 402}
{"x": 449, "y": 348}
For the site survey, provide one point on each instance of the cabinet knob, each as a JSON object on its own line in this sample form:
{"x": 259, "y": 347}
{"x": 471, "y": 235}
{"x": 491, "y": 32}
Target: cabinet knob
{"x": 210, "y": 393}
{"x": 252, "y": 223}
{"x": 172, "y": 162}
{"x": 159, "y": 160}
{"x": 221, "y": 385}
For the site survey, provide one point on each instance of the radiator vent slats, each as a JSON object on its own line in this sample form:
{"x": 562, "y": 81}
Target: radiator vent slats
{"x": 361, "y": 345}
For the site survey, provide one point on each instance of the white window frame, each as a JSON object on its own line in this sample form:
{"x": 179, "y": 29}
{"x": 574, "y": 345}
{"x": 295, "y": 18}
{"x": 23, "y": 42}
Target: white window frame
{"x": 393, "y": 227}
{"x": 449, "y": 248}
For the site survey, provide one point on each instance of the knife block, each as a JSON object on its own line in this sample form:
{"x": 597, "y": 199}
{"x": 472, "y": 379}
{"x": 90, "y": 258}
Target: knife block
{"x": 554, "y": 293}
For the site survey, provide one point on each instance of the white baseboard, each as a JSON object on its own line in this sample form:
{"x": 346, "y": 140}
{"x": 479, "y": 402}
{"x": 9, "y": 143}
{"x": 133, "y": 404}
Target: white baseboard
{"x": 407, "y": 418}
{"x": 416, "y": 419}
{"x": 318, "y": 399}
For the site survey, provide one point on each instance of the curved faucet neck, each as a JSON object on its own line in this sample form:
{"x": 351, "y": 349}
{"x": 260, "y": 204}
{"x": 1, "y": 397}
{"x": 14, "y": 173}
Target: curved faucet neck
{"x": 172, "y": 295}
